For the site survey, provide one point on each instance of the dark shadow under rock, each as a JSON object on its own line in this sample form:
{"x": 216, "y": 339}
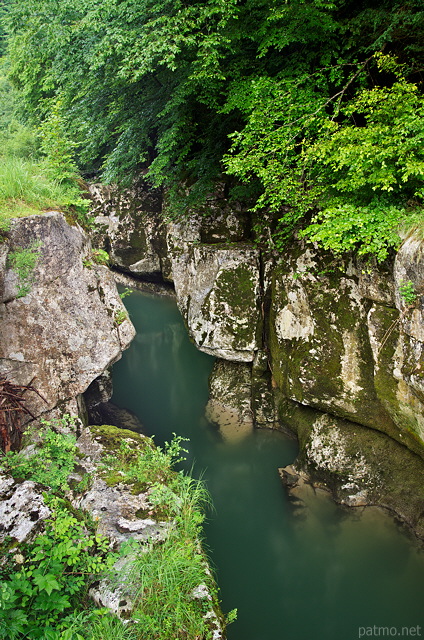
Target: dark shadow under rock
{"x": 109, "y": 413}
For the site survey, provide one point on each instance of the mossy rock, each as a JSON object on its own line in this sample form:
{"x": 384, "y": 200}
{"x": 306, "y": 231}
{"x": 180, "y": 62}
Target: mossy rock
{"x": 336, "y": 453}
{"x": 321, "y": 354}
{"x": 110, "y": 437}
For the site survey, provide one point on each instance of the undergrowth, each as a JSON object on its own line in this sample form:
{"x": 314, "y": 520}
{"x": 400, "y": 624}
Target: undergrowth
{"x": 23, "y": 262}
{"x": 44, "y": 582}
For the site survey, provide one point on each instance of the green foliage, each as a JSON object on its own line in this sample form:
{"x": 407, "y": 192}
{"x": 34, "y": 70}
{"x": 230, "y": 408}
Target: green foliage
{"x": 53, "y": 458}
{"x": 43, "y": 592}
{"x": 100, "y": 256}
{"x": 16, "y": 138}
{"x": 127, "y": 292}
{"x": 167, "y": 573}
{"x": 23, "y": 262}
{"x": 345, "y": 226}
{"x": 305, "y": 118}
{"x": 361, "y": 166}
{"x": 107, "y": 627}
{"x": 120, "y": 316}
{"x": 44, "y": 587}
{"x": 36, "y": 168}
{"x": 408, "y": 292}
{"x": 38, "y": 594}
{"x": 57, "y": 147}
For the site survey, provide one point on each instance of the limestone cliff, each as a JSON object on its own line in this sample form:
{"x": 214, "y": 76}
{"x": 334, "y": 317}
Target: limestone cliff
{"x": 68, "y": 323}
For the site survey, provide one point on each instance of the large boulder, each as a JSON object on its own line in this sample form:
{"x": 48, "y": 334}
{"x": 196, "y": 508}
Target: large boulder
{"x": 68, "y": 324}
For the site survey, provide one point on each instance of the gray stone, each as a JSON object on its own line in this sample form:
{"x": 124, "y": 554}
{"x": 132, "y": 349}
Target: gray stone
{"x": 66, "y": 331}
{"x": 22, "y": 508}
{"x": 114, "y": 509}
{"x": 218, "y": 289}
{"x": 338, "y": 343}
{"x": 129, "y": 225}
{"x": 360, "y": 467}
{"x": 118, "y": 592}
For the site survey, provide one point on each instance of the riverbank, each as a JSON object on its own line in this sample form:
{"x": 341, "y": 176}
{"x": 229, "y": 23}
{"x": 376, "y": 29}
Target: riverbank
{"x": 102, "y": 520}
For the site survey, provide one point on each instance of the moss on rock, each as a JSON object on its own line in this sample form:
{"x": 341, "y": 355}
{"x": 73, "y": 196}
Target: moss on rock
{"x": 358, "y": 465}
{"x": 321, "y": 354}
{"x": 111, "y": 437}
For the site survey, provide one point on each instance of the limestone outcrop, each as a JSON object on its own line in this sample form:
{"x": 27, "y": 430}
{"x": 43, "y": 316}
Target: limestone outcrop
{"x": 218, "y": 293}
{"x": 68, "y": 323}
{"x": 22, "y": 509}
{"x": 340, "y": 341}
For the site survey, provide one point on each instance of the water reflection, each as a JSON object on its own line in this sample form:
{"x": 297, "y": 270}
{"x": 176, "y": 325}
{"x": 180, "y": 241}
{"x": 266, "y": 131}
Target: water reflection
{"x": 309, "y": 572}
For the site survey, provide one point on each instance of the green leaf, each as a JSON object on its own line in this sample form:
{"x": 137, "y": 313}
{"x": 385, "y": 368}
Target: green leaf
{"x": 46, "y": 583}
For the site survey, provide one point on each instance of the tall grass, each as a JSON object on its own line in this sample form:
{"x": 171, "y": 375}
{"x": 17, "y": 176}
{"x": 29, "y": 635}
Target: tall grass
{"x": 26, "y": 188}
{"x": 168, "y": 574}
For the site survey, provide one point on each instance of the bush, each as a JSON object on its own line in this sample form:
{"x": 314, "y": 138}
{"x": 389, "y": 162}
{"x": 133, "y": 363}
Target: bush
{"x": 43, "y": 585}
{"x": 51, "y": 462}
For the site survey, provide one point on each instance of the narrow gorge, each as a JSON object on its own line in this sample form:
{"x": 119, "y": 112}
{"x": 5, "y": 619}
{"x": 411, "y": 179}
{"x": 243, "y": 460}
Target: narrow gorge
{"x": 323, "y": 347}
{"x": 325, "y": 350}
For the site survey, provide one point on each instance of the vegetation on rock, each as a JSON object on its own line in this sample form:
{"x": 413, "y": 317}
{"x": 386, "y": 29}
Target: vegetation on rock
{"x": 45, "y": 582}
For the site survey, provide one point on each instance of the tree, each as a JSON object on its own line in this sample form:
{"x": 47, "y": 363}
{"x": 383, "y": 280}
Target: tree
{"x": 189, "y": 93}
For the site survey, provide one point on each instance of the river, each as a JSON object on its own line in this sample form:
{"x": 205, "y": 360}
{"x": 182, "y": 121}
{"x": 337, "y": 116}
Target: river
{"x": 310, "y": 572}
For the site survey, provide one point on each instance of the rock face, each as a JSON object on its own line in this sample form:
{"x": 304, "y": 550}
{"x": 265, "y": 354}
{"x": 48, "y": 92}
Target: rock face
{"x": 342, "y": 343}
{"x": 115, "y": 507}
{"x": 313, "y": 335}
{"x": 130, "y": 229}
{"x": 361, "y": 466}
{"x": 70, "y": 325}
{"x": 218, "y": 289}
{"x": 216, "y": 275}
{"x": 22, "y": 509}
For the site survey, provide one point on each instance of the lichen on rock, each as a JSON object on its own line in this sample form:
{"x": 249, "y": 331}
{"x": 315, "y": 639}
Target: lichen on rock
{"x": 218, "y": 289}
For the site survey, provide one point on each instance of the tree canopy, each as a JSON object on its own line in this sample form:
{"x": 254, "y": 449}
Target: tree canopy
{"x": 310, "y": 110}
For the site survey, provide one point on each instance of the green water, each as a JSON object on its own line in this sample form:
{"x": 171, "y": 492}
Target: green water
{"x": 313, "y": 573}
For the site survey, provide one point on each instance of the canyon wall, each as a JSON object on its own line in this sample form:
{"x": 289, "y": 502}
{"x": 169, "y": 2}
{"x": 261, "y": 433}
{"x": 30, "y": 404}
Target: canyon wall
{"x": 333, "y": 351}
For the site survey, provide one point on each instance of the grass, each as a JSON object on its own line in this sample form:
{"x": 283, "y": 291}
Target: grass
{"x": 26, "y": 188}
{"x": 168, "y": 573}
